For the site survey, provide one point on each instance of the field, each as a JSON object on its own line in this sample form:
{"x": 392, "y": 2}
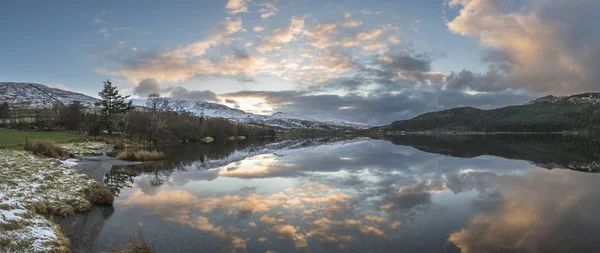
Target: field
{"x": 16, "y": 140}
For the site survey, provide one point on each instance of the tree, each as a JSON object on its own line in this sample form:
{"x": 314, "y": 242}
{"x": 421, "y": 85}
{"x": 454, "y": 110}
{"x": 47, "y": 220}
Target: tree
{"x": 4, "y": 111}
{"x": 113, "y": 106}
{"x": 157, "y": 103}
{"x": 71, "y": 117}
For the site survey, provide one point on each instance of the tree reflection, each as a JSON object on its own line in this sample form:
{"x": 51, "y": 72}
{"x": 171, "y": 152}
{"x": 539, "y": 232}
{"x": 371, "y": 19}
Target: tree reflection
{"x": 118, "y": 178}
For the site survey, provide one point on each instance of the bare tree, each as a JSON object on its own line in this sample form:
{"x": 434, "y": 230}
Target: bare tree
{"x": 157, "y": 103}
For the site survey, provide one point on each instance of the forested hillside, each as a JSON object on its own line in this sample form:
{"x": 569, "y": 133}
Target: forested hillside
{"x": 548, "y": 114}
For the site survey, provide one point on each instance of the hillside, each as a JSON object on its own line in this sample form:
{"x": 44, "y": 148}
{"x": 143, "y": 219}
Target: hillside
{"x": 36, "y": 96}
{"x": 548, "y": 114}
{"x": 279, "y": 120}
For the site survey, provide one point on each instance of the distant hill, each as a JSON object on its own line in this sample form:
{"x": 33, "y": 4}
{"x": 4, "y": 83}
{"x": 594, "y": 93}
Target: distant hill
{"x": 33, "y": 95}
{"x": 39, "y": 96}
{"x": 279, "y": 120}
{"x": 547, "y": 114}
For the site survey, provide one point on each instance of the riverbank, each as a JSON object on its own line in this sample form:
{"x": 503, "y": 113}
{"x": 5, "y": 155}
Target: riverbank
{"x": 33, "y": 188}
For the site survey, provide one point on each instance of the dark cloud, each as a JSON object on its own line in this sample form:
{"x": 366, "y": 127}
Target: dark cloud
{"x": 381, "y": 107}
{"x": 146, "y": 87}
{"x": 404, "y": 62}
{"x": 233, "y": 102}
{"x": 198, "y": 95}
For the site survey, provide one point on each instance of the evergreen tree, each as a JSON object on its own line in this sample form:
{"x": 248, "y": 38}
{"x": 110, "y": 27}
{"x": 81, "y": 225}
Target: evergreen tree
{"x": 4, "y": 111}
{"x": 113, "y": 105}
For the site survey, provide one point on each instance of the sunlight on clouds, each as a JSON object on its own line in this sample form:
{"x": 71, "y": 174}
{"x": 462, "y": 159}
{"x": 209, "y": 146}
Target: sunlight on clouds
{"x": 237, "y": 6}
{"x": 268, "y": 10}
{"x": 282, "y": 35}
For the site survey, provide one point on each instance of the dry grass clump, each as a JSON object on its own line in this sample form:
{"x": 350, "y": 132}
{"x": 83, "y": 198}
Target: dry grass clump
{"x": 45, "y": 148}
{"x": 98, "y": 194}
{"x": 140, "y": 155}
{"x": 135, "y": 246}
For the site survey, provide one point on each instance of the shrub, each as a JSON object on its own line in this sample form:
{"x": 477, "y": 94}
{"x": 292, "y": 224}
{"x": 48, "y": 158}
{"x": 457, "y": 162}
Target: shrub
{"x": 140, "y": 155}
{"x": 98, "y": 194}
{"x": 45, "y": 148}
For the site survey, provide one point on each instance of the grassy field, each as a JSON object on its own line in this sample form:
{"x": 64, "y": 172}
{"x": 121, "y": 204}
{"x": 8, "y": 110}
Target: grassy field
{"x": 16, "y": 140}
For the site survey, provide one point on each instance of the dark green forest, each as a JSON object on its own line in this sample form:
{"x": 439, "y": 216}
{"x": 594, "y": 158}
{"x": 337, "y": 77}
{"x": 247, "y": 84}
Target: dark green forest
{"x": 575, "y": 113}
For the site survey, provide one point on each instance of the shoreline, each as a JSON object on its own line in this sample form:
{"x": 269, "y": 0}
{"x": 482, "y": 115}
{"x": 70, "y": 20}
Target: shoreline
{"x": 34, "y": 189}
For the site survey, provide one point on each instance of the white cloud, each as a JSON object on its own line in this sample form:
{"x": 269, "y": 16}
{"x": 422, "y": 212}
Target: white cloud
{"x": 282, "y": 35}
{"x": 351, "y": 23}
{"x": 237, "y": 6}
{"x": 268, "y": 10}
{"x": 375, "y": 44}
{"x": 104, "y": 32}
{"x": 134, "y": 49}
{"x": 369, "y": 35}
{"x": 541, "y": 46}
{"x": 258, "y": 28}
{"x": 394, "y": 39}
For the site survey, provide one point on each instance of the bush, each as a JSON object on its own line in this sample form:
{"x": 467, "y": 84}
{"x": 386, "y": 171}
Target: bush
{"x": 98, "y": 194}
{"x": 45, "y": 148}
{"x": 140, "y": 155}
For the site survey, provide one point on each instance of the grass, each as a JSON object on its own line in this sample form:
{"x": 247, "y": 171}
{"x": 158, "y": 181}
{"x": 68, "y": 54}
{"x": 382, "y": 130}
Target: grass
{"x": 135, "y": 246}
{"x": 16, "y": 139}
{"x": 140, "y": 155}
{"x": 98, "y": 194}
{"x": 45, "y": 148}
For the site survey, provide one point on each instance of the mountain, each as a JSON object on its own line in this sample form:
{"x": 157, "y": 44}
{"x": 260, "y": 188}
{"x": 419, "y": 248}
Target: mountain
{"x": 37, "y": 96}
{"x": 33, "y": 95}
{"x": 547, "y": 114}
{"x": 279, "y": 120}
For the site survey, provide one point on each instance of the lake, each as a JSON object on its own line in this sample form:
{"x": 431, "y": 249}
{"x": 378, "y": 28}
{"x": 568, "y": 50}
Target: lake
{"x": 405, "y": 194}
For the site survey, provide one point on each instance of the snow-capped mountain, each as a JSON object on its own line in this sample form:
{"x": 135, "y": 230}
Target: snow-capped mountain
{"x": 280, "y": 120}
{"x": 591, "y": 98}
{"x": 33, "y": 95}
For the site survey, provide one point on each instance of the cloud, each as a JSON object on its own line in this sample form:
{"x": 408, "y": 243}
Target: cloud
{"x": 394, "y": 40}
{"x": 540, "y": 46}
{"x": 104, "y": 32}
{"x": 282, "y": 35}
{"x": 268, "y": 10}
{"x": 134, "y": 49}
{"x": 237, "y": 6}
{"x": 258, "y": 28}
{"x": 369, "y": 35}
{"x": 381, "y": 106}
{"x": 375, "y": 44}
{"x": 181, "y": 64}
{"x": 198, "y": 95}
{"x": 146, "y": 87}
{"x": 98, "y": 20}
{"x": 351, "y": 23}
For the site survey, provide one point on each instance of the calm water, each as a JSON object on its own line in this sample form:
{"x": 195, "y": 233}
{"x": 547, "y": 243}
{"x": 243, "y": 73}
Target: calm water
{"x": 410, "y": 194}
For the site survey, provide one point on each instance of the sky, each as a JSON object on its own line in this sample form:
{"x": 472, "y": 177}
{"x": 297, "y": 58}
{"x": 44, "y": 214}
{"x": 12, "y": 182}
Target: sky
{"x": 363, "y": 61}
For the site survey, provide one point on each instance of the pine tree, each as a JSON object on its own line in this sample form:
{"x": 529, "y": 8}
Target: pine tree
{"x": 113, "y": 105}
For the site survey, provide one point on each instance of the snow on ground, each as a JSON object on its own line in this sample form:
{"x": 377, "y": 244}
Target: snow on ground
{"x": 31, "y": 186}
{"x": 84, "y": 148}
{"x": 281, "y": 120}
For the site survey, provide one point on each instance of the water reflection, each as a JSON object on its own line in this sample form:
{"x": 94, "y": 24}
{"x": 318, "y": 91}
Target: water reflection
{"x": 357, "y": 195}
